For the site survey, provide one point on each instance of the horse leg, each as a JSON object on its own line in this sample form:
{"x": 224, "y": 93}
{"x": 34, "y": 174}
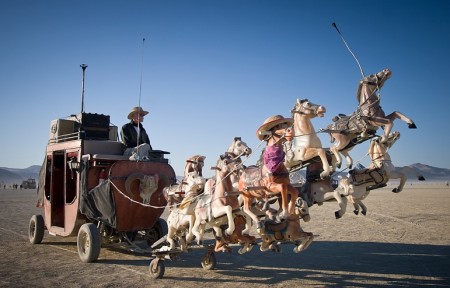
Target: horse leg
{"x": 348, "y": 159}
{"x": 197, "y": 230}
{"x": 335, "y": 150}
{"x": 170, "y": 234}
{"x": 363, "y": 207}
{"x": 190, "y": 234}
{"x": 397, "y": 175}
{"x": 246, "y": 207}
{"x": 308, "y": 238}
{"x": 283, "y": 190}
{"x": 229, "y": 211}
{"x": 403, "y": 117}
{"x": 342, "y": 204}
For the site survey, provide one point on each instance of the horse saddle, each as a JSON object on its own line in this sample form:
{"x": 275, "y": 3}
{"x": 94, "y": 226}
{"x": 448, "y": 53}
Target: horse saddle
{"x": 277, "y": 229}
{"x": 253, "y": 176}
{"x": 371, "y": 175}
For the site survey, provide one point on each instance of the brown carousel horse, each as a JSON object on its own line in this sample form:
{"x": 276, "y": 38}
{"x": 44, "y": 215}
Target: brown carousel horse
{"x": 259, "y": 182}
{"x": 306, "y": 145}
{"x": 348, "y": 131}
{"x": 236, "y": 150}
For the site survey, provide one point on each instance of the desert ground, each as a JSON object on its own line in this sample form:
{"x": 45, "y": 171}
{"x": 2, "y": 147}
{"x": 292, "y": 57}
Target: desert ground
{"x": 404, "y": 240}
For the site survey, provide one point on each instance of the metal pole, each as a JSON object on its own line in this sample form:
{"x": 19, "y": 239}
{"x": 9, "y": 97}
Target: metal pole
{"x": 83, "y": 67}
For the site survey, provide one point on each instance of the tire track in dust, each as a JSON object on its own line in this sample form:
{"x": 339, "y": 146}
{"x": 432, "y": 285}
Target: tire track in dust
{"x": 390, "y": 240}
{"x": 73, "y": 252}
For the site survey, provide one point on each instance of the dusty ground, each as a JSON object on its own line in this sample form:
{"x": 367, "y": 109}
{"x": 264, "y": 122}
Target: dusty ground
{"x": 403, "y": 241}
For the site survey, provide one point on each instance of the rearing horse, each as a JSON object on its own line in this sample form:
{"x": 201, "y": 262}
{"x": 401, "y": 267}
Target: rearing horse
{"x": 348, "y": 131}
{"x": 306, "y": 144}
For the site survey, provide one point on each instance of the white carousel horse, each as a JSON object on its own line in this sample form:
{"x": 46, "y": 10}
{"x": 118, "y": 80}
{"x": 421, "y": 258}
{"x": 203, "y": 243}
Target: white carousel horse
{"x": 216, "y": 209}
{"x": 194, "y": 163}
{"x": 348, "y": 131}
{"x": 306, "y": 145}
{"x": 181, "y": 217}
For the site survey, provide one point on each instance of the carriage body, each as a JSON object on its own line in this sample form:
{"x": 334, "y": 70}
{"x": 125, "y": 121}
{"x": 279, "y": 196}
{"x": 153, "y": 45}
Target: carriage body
{"x": 86, "y": 179}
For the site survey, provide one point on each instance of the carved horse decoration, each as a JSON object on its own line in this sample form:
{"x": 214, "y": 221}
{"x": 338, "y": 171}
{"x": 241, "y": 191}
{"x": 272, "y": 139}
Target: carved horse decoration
{"x": 181, "y": 217}
{"x": 235, "y": 151}
{"x": 360, "y": 182}
{"x": 194, "y": 163}
{"x": 289, "y": 230}
{"x": 218, "y": 209}
{"x": 306, "y": 145}
{"x": 348, "y": 131}
{"x": 256, "y": 182}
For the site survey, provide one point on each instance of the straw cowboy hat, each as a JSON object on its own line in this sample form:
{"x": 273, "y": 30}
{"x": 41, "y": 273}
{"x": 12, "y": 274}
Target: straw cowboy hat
{"x": 137, "y": 110}
{"x": 271, "y": 122}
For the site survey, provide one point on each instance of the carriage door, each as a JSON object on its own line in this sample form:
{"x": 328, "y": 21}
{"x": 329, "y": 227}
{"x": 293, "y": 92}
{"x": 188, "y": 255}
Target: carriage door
{"x": 58, "y": 175}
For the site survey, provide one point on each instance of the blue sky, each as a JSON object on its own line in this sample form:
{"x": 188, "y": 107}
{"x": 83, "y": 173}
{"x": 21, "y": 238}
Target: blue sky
{"x": 213, "y": 70}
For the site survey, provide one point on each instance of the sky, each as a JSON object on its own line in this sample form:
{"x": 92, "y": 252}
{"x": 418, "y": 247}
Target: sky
{"x": 212, "y": 70}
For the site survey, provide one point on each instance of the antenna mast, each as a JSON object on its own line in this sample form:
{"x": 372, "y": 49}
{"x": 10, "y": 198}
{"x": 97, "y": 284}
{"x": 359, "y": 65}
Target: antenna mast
{"x": 83, "y": 67}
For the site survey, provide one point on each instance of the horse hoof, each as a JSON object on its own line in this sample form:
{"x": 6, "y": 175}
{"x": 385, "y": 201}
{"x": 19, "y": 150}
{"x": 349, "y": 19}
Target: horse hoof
{"x": 395, "y": 190}
{"x": 412, "y": 125}
{"x": 356, "y": 212}
{"x": 364, "y": 213}
{"x": 336, "y": 214}
{"x": 421, "y": 178}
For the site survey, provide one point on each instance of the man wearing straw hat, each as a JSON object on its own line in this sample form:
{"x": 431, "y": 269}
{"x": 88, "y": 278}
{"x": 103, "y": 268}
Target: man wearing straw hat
{"x": 134, "y": 135}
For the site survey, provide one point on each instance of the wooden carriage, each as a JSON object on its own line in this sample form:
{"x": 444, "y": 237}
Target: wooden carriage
{"x": 89, "y": 189}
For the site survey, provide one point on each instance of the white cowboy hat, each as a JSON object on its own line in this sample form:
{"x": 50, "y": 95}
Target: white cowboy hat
{"x": 137, "y": 110}
{"x": 271, "y": 122}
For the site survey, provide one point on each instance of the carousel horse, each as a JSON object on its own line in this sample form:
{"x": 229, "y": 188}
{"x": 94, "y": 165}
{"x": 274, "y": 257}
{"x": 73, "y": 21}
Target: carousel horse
{"x": 236, "y": 150}
{"x": 217, "y": 209}
{"x": 289, "y": 230}
{"x": 348, "y": 131}
{"x": 256, "y": 182}
{"x": 181, "y": 217}
{"x": 194, "y": 163}
{"x": 381, "y": 170}
{"x": 306, "y": 145}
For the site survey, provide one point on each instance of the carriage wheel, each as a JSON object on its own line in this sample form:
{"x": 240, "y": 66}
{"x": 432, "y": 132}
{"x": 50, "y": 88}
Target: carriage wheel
{"x": 36, "y": 229}
{"x": 88, "y": 243}
{"x": 157, "y": 268}
{"x": 209, "y": 261}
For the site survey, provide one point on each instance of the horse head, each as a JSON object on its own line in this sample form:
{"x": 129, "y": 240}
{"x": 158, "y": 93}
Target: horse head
{"x": 194, "y": 182}
{"x": 239, "y": 148}
{"x": 369, "y": 84}
{"x": 305, "y": 107}
{"x": 226, "y": 165}
{"x": 194, "y": 163}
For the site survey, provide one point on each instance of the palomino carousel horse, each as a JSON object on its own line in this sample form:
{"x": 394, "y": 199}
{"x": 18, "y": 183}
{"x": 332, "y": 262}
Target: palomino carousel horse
{"x": 348, "y": 131}
{"x": 306, "y": 145}
{"x": 181, "y": 217}
{"x": 259, "y": 182}
{"x": 217, "y": 209}
{"x": 359, "y": 182}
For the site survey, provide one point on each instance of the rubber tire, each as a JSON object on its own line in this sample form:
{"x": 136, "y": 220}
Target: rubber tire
{"x": 209, "y": 261}
{"x": 36, "y": 229}
{"x": 157, "y": 269}
{"x": 88, "y": 243}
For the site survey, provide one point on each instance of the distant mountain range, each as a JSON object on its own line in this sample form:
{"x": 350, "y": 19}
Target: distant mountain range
{"x": 9, "y": 176}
